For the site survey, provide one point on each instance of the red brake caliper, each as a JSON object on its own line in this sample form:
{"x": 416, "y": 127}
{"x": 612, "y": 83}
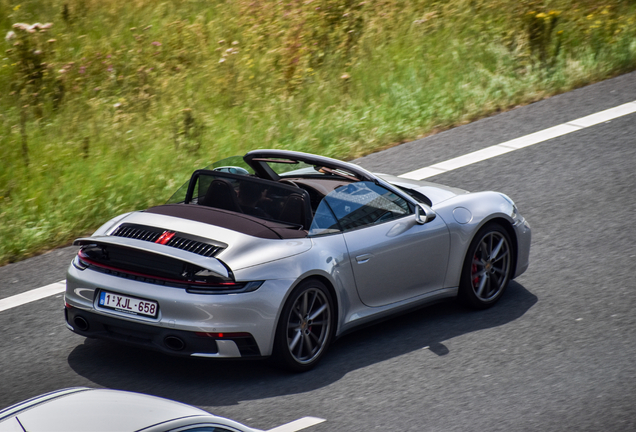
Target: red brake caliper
{"x": 474, "y": 272}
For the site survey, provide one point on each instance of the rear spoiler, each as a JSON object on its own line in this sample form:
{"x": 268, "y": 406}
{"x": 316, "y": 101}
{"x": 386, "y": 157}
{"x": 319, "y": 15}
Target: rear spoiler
{"x": 209, "y": 263}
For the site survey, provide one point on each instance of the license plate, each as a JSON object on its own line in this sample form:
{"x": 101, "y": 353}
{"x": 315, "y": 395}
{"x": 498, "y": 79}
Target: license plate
{"x": 127, "y": 304}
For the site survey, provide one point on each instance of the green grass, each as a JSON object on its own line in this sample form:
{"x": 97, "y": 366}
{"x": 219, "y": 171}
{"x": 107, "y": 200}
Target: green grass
{"x": 130, "y": 97}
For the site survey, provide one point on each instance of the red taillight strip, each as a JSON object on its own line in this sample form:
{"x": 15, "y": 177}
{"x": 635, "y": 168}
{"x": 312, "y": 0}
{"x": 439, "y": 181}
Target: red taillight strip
{"x": 223, "y": 335}
{"x": 133, "y": 273}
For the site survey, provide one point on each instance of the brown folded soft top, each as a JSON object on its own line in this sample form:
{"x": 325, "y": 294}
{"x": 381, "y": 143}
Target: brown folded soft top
{"x": 242, "y": 223}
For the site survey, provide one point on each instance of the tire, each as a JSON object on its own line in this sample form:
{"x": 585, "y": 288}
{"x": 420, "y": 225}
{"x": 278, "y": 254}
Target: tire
{"x": 305, "y": 327}
{"x": 487, "y": 267}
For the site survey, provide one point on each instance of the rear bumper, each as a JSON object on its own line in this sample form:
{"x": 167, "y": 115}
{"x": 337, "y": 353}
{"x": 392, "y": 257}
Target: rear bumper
{"x": 168, "y": 341}
{"x": 180, "y": 314}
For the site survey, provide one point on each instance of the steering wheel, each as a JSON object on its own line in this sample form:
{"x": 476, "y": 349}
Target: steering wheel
{"x": 288, "y": 181}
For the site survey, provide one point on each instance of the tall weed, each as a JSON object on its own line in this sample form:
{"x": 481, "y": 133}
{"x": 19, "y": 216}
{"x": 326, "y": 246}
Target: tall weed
{"x": 112, "y": 106}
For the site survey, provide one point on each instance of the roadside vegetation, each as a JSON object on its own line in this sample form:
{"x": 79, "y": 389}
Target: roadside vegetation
{"x": 107, "y": 106}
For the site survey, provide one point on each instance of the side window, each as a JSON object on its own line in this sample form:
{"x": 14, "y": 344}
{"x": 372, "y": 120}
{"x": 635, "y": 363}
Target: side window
{"x": 357, "y": 205}
{"x": 324, "y": 221}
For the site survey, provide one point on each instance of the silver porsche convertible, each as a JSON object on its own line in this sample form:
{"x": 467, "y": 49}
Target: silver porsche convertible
{"x": 278, "y": 252}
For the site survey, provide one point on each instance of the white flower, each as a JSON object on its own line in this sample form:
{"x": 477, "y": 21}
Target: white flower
{"x": 21, "y": 26}
{"x": 10, "y": 36}
{"x": 33, "y": 28}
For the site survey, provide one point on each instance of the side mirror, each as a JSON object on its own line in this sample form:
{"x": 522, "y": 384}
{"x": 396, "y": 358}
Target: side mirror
{"x": 232, "y": 170}
{"x": 424, "y": 214}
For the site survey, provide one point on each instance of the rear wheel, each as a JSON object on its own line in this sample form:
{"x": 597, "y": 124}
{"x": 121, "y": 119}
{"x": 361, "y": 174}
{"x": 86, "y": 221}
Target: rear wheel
{"x": 305, "y": 326}
{"x": 487, "y": 267}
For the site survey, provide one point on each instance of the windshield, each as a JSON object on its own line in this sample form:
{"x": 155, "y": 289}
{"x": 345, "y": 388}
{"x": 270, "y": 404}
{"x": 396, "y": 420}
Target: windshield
{"x": 284, "y": 167}
{"x": 290, "y": 168}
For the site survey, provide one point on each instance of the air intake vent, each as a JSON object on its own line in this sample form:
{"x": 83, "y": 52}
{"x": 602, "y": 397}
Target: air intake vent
{"x": 138, "y": 232}
{"x": 176, "y": 240}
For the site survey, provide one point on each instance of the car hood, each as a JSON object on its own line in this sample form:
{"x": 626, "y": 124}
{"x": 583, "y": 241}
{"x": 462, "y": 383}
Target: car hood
{"x": 437, "y": 193}
{"x": 238, "y": 251}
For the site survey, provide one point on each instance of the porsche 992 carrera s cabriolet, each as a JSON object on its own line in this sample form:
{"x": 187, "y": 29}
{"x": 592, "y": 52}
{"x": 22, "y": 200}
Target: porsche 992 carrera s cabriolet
{"x": 278, "y": 252}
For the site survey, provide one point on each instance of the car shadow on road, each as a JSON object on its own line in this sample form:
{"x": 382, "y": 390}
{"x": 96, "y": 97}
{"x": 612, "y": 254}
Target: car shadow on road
{"x": 205, "y": 382}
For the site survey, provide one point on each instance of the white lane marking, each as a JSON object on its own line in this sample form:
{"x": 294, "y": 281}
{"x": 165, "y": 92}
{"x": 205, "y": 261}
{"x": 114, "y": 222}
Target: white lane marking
{"x": 33, "y": 295}
{"x": 522, "y": 142}
{"x": 297, "y": 425}
{"x": 420, "y": 174}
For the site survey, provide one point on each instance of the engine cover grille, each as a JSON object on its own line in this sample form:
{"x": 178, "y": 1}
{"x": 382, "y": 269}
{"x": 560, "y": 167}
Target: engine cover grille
{"x": 177, "y": 240}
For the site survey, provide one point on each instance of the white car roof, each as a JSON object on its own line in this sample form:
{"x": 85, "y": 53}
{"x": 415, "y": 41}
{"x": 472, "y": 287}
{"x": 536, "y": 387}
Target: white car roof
{"x": 97, "y": 410}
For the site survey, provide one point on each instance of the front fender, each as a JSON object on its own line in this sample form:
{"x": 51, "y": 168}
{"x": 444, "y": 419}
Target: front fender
{"x": 464, "y": 216}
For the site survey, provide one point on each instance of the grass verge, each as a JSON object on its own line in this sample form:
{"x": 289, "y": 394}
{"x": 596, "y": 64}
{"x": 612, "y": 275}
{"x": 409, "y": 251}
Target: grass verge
{"x": 111, "y": 107}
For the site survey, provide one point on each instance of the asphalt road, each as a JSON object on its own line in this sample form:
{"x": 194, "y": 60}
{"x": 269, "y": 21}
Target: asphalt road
{"x": 557, "y": 353}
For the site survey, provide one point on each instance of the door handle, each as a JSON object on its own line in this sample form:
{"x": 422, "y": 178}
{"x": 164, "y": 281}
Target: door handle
{"x": 361, "y": 259}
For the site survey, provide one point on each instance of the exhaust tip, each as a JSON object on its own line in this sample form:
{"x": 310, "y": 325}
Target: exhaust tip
{"x": 80, "y": 323}
{"x": 174, "y": 343}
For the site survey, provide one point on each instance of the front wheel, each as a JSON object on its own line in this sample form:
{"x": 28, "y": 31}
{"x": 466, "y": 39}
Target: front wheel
{"x": 305, "y": 326}
{"x": 487, "y": 267}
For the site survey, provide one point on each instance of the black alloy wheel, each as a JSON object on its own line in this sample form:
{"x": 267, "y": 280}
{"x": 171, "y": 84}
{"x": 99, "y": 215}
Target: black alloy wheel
{"x": 305, "y": 327}
{"x": 487, "y": 267}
